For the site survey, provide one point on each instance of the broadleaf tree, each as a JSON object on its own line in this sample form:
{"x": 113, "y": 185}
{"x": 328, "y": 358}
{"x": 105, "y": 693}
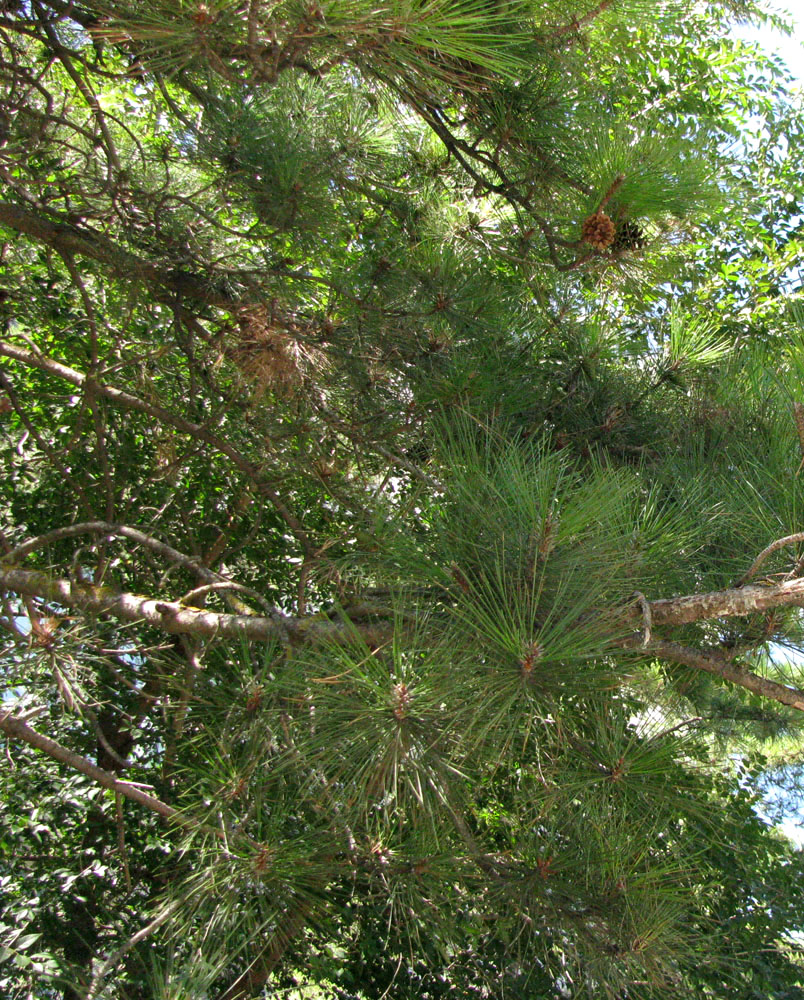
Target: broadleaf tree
{"x": 401, "y": 542}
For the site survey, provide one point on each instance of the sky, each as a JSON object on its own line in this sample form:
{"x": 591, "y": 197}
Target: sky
{"x": 789, "y": 47}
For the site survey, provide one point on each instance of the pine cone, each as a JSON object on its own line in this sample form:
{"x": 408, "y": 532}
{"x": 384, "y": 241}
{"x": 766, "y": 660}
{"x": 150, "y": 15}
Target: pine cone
{"x": 599, "y": 231}
{"x": 630, "y": 236}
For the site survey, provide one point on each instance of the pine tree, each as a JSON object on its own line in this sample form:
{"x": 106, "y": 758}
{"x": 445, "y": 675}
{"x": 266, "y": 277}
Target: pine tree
{"x": 396, "y": 567}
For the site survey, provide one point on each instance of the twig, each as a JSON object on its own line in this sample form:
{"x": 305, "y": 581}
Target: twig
{"x": 301, "y": 590}
{"x": 121, "y": 838}
{"x": 53, "y": 455}
{"x": 207, "y": 588}
{"x": 252, "y": 29}
{"x": 780, "y": 543}
{"x": 574, "y": 26}
{"x": 101, "y": 738}
{"x": 343, "y": 426}
{"x": 798, "y": 417}
{"x": 133, "y": 941}
{"x": 796, "y": 570}
{"x": 193, "y": 668}
{"x": 613, "y": 188}
{"x": 248, "y": 984}
{"x": 84, "y": 89}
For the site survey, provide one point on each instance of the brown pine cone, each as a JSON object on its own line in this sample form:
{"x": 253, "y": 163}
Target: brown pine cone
{"x": 599, "y": 231}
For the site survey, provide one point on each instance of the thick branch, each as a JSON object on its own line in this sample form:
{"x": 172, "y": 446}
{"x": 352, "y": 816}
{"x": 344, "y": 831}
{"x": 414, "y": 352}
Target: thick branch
{"x": 725, "y": 603}
{"x": 171, "y": 616}
{"x": 174, "y": 617}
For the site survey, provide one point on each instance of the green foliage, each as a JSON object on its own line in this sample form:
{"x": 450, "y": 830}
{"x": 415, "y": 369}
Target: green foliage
{"x": 303, "y": 330}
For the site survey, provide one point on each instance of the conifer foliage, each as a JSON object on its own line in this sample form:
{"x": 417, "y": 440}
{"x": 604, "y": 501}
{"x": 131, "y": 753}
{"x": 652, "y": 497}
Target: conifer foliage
{"x": 401, "y": 580}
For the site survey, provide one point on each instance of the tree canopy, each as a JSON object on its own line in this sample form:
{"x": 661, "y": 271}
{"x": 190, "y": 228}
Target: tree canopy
{"x": 401, "y": 557}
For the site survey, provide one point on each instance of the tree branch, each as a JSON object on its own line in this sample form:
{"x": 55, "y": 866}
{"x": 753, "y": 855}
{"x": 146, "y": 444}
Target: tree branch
{"x": 725, "y": 603}
{"x": 780, "y": 543}
{"x": 141, "y": 935}
{"x": 575, "y": 25}
{"x": 712, "y": 663}
{"x": 125, "y": 400}
{"x": 172, "y": 616}
{"x": 18, "y": 730}
{"x": 82, "y": 241}
{"x": 247, "y": 984}
{"x": 18, "y": 553}
{"x": 175, "y": 618}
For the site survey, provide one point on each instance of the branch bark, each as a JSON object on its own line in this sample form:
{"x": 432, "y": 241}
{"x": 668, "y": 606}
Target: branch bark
{"x": 176, "y": 618}
{"x": 729, "y": 603}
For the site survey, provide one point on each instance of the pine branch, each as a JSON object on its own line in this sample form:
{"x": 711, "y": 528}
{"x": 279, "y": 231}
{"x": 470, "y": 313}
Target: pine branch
{"x": 713, "y": 663}
{"x": 114, "y": 960}
{"x": 780, "y": 543}
{"x": 70, "y": 239}
{"x": 175, "y": 618}
{"x": 19, "y": 552}
{"x": 18, "y": 730}
{"x": 730, "y": 603}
